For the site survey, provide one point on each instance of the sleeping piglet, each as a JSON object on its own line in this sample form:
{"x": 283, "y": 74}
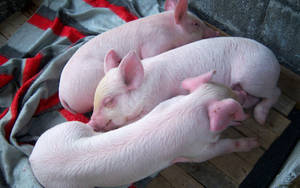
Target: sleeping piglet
{"x": 132, "y": 88}
{"x": 148, "y": 36}
{"x": 182, "y": 129}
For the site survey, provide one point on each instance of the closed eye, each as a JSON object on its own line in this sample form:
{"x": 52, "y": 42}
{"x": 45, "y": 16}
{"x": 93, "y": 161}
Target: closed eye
{"x": 109, "y": 102}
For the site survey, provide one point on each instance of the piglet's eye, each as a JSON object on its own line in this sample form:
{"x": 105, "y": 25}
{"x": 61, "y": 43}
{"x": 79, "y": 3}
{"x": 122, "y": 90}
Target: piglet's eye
{"x": 196, "y": 24}
{"x": 109, "y": 102}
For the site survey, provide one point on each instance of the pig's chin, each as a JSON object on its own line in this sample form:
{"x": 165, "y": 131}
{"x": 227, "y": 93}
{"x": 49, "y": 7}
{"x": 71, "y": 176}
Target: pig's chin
{"x": 109, "y": 126}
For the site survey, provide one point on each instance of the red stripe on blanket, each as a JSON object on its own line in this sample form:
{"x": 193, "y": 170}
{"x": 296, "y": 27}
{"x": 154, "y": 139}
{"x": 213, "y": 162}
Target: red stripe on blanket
{"x": 3, "y": 113}
{"x": 15, "y": 105}
{"x": 67, "y": 31}
{"x": 40, "y": 22}
{"x": 5, "y": 79}
{"x": 31, "y": 67}
{"x": 47, "y": 103}
{"x": 57, "y": 27}
{"x": 3, "y": 60}
{"x": 73, "y": 117}
{"x": 132, "y": 186}
{"x": 122, "y": 12}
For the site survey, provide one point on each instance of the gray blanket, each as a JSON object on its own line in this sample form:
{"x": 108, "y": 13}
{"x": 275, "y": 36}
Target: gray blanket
{"x": 31, "y": 64}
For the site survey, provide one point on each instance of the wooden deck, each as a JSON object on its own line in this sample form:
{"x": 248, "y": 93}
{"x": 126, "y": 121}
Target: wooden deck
{"x": 226, "y": 171}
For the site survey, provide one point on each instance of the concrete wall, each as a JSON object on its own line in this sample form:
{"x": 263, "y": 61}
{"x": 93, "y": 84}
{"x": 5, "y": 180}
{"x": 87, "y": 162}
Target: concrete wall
{"x": 275, "y": 23}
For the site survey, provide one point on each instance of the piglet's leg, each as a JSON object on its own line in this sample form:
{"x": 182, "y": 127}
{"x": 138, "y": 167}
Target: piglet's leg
{"x": 224, "y": 146}
{"x": 261, "y": 110}
{"x": 223, "y": 113}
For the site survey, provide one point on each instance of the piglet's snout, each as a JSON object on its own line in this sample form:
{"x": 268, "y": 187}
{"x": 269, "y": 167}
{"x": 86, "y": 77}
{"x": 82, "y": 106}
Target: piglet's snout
{"x": 99, "y": 124}
{"x": 93, "y": 124}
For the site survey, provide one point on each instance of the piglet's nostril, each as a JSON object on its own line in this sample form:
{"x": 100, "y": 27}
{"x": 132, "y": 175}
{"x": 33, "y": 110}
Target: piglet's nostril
{"x": 93, "y": 124}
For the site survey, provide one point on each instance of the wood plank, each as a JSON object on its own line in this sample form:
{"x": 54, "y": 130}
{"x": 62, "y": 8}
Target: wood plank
{"x": 276, "y": 122}
{"x": 250, "y": 157}
{"x": 9, "y": 26}
{"x": 209, "y": 175}
{"x": 237, "y": 165}
{"x": 159, "y": 182}
{"x": 233, "y": 166}
{"x": 265, "y": 133}
{"x": 252, "y": 129}
{"x": 178, "y": 178}
{"x": 289, "y": 83}
{"x": 284, "y": 105}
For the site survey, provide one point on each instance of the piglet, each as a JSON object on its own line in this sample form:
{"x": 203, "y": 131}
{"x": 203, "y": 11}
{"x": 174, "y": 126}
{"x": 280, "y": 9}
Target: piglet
{"x": 182, "y": 129}
{"x": 148, "y": 36}
{"x": 132, "y": 88}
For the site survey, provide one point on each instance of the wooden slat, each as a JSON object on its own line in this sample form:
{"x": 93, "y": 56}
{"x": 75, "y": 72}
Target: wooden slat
{"x": 9, "y": 26}
{"x": 159, "y": 182}
{"x": 178, "y": 178}
{"x": 284, "y": 105}
{"x": 237, "y": 165}
{"x": 233, "y": 166}
{"x": 208, "y": 175}
{"x": 276, "y": 122}
{"x": 289, "y": 83}
{"x": 265, "y": 133}
{"x": 250, "y": 157}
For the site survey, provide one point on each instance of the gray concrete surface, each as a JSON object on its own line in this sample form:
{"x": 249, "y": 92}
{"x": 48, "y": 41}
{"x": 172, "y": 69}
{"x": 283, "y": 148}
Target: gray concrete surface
{"x": 275, "y": 23}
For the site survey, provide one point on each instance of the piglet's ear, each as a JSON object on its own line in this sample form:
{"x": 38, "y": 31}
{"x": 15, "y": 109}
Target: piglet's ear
{"x": 222, "y": 113}
{"x": 170, "y": 5}
{"x": 111, "y": 60}
{"x": 193, "y": 83}
{"x": 180, "y": 10}
{"x": 132, "y": 71}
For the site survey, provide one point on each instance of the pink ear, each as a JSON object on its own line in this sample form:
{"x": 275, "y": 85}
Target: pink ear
{"x": 221, "y": 113}
{"x": 193, "y": 83}
{"x": 170, "y": 5}
{"x": 180, "y": 10}
{"x": 111, "y": 60}
{"x": 132, "y": 71}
